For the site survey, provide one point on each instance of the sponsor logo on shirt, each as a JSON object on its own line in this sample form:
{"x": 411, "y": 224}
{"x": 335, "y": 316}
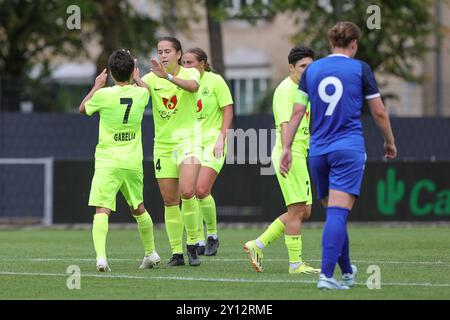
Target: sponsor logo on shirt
{"x": 170, "y": 104}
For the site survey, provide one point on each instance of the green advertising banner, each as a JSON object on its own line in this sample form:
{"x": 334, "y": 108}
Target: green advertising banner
{"x": 416, "y": 191}
{"x": 397, "y": 191}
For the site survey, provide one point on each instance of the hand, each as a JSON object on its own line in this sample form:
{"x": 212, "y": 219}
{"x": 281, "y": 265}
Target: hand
{"x": 218, "y": 148}
{"x": 285, "y": 162}
{"x": 136, "y": 74}
{"x": 158, "y": 69}
{"x": 101, "y": 79}
{"x": 390, "y": 150}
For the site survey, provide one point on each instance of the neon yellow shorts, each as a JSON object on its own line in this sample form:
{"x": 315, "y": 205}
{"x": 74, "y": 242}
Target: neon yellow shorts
{"x": 166, "y": 161}
{"x": 209, "y": 160}
{"x": 108, "y": 181}
{"x": 296, "y": 187}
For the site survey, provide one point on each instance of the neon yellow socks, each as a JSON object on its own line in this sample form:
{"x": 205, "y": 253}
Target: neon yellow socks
{"x": 99, "y": 232}
{"x": 174, "y": 228}
{"x": 145, "y": 227}
{"x": 294, "y": 246}
{"x": 190, "y": 212}
{"x": 200, "y": 226}
{"x": 272, "y": 233}
{"x": 208, "y": 213}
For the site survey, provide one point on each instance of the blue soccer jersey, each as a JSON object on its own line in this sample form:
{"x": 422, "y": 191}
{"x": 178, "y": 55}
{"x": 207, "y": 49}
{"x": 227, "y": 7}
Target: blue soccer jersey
{"x": 336, "y": 87}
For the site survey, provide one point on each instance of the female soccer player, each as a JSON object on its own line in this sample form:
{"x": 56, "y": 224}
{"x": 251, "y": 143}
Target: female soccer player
{"x": 295, "y": 186}
{"x": 177, "y": 147}
{"x": 336, "y": 87}
{"x": 215, "y": 114}
{"x": 118, "y": 156}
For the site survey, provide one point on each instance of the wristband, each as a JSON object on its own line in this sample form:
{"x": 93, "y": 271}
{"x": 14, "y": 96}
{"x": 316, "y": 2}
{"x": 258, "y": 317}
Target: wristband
{"x": 169, "y": 77}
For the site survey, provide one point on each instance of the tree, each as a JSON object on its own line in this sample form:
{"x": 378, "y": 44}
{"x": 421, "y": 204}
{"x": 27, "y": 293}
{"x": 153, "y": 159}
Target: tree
{"x": 213, "y": 12}
{"x": 34, "y": 33}
{"x": 30, "y": 32}
{"x": 117, "y": 24}
{"x": 394, "y": 49}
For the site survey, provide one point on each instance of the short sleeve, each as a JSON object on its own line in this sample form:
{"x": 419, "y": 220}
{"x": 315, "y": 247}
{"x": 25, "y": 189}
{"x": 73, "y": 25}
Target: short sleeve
{"x": 148, "y": 80}
{"x": 301, "y": 98}
{"x": 223, "y": 93}
{"x": 94, "y": 104}
{"x": 369, "y": 85}
{"x": 194, "y": 74}
{"x": 282, "y": 106}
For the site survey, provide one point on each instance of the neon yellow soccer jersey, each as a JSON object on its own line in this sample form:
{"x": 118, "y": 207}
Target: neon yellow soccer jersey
{"x": 283, "y": 102}
{"x": 213, "y": 95}
{"x": 121, "y": 109}
{"x": 174, "y": 109}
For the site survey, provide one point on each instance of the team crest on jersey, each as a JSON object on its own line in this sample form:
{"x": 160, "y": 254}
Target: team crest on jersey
{"x": 199, "y": 105}
{"x": 170, "y": 104}
{"x": 205, "y": 91}
{"x": 307, "y": 116}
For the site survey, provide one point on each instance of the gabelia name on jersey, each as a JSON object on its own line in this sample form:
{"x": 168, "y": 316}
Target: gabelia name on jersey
{"x": 125, "y": 136}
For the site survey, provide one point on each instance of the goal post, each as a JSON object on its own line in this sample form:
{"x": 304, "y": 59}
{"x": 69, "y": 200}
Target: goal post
{"x": 47, "y": 163}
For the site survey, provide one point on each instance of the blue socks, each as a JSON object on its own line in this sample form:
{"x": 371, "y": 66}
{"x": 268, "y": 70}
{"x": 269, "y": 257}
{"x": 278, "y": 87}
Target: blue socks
{"x": 335, "y": 241}
{"x": 344, "y": 259}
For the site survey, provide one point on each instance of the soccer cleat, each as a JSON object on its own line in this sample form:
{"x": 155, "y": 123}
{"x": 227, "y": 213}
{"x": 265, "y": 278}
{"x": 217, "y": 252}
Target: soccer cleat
{"x": 102, "y": 265}
{"x": 211, "y": 246}
{"x": 329, "y": 284}
{"x": 192, "y": 253}
{"x": 348, "y": 279}
{"x": 304, "y": 268}
{"x": 201, "y": 250}
{"x": 176, "y": 260}
{"x": 255, "y": 255}
{"x": 150, "y": 261}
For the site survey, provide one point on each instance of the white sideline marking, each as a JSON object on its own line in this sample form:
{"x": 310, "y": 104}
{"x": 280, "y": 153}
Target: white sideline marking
{"x": 228, "y": 260}
{"x": 119, "y": 276}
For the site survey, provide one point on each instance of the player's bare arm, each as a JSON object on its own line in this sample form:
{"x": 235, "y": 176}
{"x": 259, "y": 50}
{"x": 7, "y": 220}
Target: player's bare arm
{"x": 381, "y": 117}
{"x": 287, "y": 137}
{"x": 137, "y": 77}
{"x": 227, "y": 119}
{"x": 100, "y": 82}
{"x": 160, "y": 71}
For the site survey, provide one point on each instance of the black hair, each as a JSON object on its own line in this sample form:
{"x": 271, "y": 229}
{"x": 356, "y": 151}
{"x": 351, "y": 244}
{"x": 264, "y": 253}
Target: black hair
{"x": 121, "y": 65}
{"x": 298, "y": 53}
{"x": 176, "y": 44}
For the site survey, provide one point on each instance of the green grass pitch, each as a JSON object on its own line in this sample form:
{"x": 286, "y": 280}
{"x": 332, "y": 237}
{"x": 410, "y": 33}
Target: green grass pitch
{"x": 414, "y": 264}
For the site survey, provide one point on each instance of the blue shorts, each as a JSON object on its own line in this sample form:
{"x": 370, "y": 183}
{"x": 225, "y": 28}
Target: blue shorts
{"x": 338, "y": 170}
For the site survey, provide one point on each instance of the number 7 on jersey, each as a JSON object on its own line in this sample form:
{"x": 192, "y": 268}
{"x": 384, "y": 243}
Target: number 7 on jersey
{"x": 129, "y": 103}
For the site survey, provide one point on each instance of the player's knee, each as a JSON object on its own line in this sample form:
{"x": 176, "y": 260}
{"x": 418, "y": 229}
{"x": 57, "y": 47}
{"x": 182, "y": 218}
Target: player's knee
{"x": 307, "y": 213}
{"x": 139, "y": 210}
{"x": 299, "y": 212}
{"x": 202, "y": 192}
{"x": 187, "y": 194}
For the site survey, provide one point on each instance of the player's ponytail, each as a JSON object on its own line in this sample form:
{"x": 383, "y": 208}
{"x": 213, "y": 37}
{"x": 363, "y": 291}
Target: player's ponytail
{"x": 343, "y": 33}
{"x": 200, "y": 55}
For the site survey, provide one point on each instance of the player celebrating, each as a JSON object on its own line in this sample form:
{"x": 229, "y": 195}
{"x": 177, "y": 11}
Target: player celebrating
{"x": 215, "y": 113}
{"x": 118, "y": 156}
{"x": 336, "y": 87}
{"x": 296, "y": 185}
{"x": 177, "y": 148}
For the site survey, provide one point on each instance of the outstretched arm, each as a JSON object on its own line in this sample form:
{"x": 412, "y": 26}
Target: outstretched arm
{"x": 99, "y": 83}
{"x": 160, "y": 71}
